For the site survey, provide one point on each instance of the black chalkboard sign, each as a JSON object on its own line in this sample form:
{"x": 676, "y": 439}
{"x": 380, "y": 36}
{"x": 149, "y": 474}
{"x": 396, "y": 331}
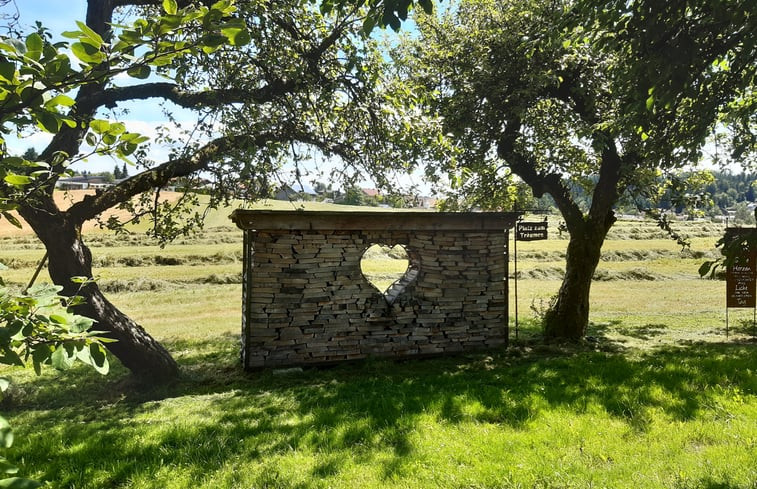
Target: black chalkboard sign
{"x": 741, "y": 275}
{"x": 531, "y": 231}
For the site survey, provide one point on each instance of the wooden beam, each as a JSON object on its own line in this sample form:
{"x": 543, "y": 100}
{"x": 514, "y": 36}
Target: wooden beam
{"x": 264, "y": 220}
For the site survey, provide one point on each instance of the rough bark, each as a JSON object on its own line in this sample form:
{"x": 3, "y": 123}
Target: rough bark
{"x": 68, "y": 256}
{"x": 568, "y": 316}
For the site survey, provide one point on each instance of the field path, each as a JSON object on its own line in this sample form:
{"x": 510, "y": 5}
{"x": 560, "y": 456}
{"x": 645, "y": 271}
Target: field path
{"x": 64, "y": 200}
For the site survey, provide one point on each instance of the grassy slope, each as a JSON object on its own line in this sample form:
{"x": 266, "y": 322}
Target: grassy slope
{"x": 659, "y": 399}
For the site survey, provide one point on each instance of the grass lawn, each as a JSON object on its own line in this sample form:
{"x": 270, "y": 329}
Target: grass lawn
{"x": 657, "y": 398}
{"x": 539, "y": 417}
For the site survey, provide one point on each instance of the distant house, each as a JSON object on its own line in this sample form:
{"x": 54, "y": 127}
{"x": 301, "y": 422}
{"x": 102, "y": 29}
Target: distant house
{"x": 83, "y": 182}
{"x": 426, "y": 202}
{"x": 371, "y": 192}
{"x": 295, "y": 192}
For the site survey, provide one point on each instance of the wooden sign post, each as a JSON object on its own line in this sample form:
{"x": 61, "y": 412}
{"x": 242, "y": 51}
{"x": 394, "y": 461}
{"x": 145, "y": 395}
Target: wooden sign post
{"x": 526, "y": 231}
{"x": 741, "y": 275}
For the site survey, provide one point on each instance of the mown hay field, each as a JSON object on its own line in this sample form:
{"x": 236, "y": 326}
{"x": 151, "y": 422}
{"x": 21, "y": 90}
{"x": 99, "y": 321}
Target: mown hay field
{"x": 657, "y": 397}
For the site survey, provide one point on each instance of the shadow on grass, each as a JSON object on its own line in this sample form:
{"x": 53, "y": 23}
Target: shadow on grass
{"x": 646, "y": 332}
{"x": 216, "y": 413}
{"x": 746, "y": 327}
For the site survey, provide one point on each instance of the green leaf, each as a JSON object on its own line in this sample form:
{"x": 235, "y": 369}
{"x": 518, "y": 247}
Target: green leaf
{"x": 650, "y": 102}
{"x": 48, "y": 121}
{"x": 76, "y": 300}
{"x": 140, "y": 71}
{"x": 236, "y": 32}
{"x": 19, "y": 46}
{"x": 368, "y": 24}
{"x": 30, "y": 95}
{"x": 240, "y": 38}
{"x": 134, "y": 137}
{"x": 117, "y": 128}
{"x": 18, "y": 483}
{"x": 34, "y": 46}
{"x": 170, "y": 22}
{"x": 60, "y": 359}
{"x": 59, "y": 68}
{"x": 18, "y": 180}
{"x": 7, "y": 467}
{"x": 12, "y": 162}
{"x": 4, "y": 384}
{"x": 170, "y": 7}
{"x": 12, "y": 219}
{"x": 40, "y": 355}
{"x": 11, "y": 358}
{"x": 45, "y": 291}
{"x": 99, "y": 126}
{"x": 91, "y": 35}
{"x": 109, "y": 138}
{"x": 126, "y": 148}
{"x": 90, "y": 139}
{"x": 99, "y": 358}
{"x": 6, "y": 433}
{"x": 80, "y": 324}
{"x": 58, "y": 319}
{"x": 327, "y": 6}
{"x": 428, "y": 6}
{"x": 7, "y": 71}
{"x": 213, "y": 41}
{"x": 87, "y": 53}
{"x": 61, "y": 99}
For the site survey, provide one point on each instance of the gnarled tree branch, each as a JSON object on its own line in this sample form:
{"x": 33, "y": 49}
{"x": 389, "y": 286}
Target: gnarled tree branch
{"x": 524, "y": 166}
{"x": 187, "y": 99}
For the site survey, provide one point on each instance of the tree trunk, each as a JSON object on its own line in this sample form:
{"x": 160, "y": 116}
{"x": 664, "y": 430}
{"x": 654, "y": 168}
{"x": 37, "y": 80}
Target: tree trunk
{"x": 568, "y": 317}
{"x": 70, "y": 257}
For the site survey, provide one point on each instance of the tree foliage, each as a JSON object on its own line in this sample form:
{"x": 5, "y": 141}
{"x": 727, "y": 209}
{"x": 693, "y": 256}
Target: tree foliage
{"x": 381, "y": 13}
{"x": 38, "y": 327}
{"x": 270, "y": 84}
{"x": 684, "y": 70}
{"x": 566, "y": 96}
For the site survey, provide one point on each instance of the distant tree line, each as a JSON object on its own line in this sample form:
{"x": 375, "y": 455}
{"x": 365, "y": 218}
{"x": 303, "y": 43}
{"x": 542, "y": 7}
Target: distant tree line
{"x": 714, "y": 194}
{"x": 708, "y": 193}
{"x": 729, "y": 189}
{"x": 120, "y": 173}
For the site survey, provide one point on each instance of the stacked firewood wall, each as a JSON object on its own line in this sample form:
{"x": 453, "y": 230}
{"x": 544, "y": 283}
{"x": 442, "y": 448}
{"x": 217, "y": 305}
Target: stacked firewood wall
{"x": 307, "y": 301}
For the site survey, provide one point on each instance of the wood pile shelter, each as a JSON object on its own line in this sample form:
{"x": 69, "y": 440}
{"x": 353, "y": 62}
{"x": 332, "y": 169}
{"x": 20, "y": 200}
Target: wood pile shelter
{"x": 306, "y": 301}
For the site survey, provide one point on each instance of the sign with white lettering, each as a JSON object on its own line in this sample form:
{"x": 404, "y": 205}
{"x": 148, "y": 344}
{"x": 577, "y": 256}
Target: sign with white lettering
{"x": 741, "y": 275}
{"x": 531, "y": 231}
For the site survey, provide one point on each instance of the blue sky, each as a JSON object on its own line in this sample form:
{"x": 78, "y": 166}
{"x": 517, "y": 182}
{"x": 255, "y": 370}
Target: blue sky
{"x": 56, "y": 15}
{"x": 60, "y": 16}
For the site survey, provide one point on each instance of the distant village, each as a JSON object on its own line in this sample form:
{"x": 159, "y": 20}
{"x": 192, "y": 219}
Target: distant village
{"x": 352, "y": 196}
{"x": 732, "y": 197}
{"x": 293, "y": 193}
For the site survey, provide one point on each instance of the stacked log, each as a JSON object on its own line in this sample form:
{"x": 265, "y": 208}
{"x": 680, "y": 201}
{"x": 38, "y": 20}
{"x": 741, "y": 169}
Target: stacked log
{"x": 307, "y": 302}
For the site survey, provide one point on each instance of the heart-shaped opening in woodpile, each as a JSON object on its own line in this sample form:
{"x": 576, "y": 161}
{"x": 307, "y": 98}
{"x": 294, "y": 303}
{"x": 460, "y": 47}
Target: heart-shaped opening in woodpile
{"x": 389, "y": 269}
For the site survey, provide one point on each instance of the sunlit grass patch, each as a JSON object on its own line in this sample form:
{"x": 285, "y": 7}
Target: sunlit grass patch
{"x": 656, "y": 397}
{"x": 499, "y": 420}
